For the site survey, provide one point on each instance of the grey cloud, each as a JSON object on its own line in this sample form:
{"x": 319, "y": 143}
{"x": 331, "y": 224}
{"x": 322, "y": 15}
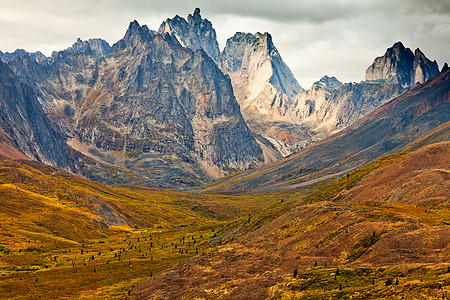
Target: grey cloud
{"x": 315, "y": 37}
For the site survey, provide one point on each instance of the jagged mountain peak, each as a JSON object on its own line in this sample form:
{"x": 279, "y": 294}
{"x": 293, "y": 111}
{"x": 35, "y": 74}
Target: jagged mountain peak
{"x": 97, "y": 47}
{"x": 195, "y": 16}
{"x": 194, "y": 33}
{"x": 399, "y": 45}
{"x": 133, "y": 26}
{"x": 136, "y": 35}
{"x": 399, "y": 65}
{"x": 329, "y": 82}
{"x": 134, "y": 29}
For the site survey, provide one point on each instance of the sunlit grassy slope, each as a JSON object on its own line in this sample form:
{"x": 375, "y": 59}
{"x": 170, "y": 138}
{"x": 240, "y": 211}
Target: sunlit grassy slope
{"x": 65, "y": 236}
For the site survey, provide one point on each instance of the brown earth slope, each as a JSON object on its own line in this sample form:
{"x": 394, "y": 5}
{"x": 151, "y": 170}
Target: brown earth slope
{"x": 389, "y": 218}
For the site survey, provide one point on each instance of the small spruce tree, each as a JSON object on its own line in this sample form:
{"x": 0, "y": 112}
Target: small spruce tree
{"x": 388, "y": 282}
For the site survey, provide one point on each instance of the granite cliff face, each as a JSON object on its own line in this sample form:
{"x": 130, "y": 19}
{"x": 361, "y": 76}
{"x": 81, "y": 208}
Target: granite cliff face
{"x": 159, "y": 109}
{"x": 194, "y": 33}
{"x": 399, "y": 65}
{"x": 25, "y": 127}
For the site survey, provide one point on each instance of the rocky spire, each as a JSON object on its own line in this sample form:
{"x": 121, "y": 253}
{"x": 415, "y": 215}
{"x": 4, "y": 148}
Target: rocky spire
{"x": 194, "y": 33}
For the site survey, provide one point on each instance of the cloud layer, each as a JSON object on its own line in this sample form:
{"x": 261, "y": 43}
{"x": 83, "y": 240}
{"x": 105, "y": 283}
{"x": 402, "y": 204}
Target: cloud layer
{"x": 314, "y": 37}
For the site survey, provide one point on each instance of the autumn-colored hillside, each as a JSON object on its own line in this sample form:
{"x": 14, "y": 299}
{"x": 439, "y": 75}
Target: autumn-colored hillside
{"x": 65, "y": 236}
{"x": 380, "y": 232}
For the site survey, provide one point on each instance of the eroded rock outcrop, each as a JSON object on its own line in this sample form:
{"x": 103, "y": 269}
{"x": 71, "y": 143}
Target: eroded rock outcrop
{"x": 98, "y": 47}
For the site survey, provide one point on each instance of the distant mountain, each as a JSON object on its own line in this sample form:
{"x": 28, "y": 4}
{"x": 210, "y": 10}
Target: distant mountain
{"x": 400, "y": 65}
{"x": 278, "y": 109}
{"x": 98, "y": 47}
{"x": 194, "y": 33}
{"x": 36, "y": 56}
{"x": 327, "y": 110}
{"x": 384, "y": 131}
{"x": 329, "y": 82}
{"x": 152, "y": 106}
{"x": 329, "y": 106}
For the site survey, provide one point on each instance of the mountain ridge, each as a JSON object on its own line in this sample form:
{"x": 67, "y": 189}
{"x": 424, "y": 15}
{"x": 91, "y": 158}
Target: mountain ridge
{"x": 394, "y": 124}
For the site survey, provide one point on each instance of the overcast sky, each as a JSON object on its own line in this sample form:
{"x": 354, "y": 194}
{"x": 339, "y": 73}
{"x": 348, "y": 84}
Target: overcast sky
{"x": 314, "y": 37}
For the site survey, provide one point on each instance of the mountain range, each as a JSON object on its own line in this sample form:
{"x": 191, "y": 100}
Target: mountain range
{"x": 168, "y": 109}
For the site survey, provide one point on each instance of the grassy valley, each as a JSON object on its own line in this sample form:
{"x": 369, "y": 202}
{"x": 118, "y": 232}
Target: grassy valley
{"x": 63, "y": 236}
